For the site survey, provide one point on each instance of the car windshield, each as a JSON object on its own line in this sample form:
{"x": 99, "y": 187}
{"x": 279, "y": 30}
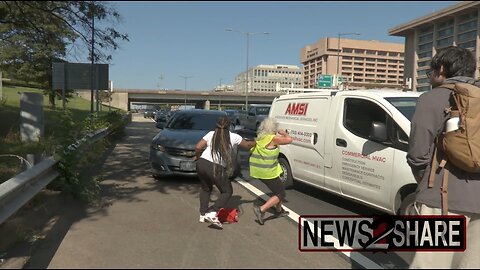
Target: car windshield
{"x": 193, "y": 121}
{"x": 230, "y": 113}
{"x": 263, "y": 110}
{"x": 406, "y": 105}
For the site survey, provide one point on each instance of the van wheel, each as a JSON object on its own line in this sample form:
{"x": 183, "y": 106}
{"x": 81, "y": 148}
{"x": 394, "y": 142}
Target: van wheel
{"x": 286, "y": 176}
{"x": 407, "y": 207}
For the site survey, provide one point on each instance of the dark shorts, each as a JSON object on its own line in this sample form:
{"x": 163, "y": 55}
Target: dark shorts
{"x": 276, "y": 186}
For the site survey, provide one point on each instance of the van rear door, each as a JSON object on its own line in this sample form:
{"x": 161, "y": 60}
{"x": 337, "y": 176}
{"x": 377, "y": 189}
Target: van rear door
{"x": 305, "y": 118}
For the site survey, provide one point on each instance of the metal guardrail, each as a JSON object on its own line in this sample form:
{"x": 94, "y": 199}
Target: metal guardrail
{"x": 18, "y": 190}
{"x": 90, "y": 138}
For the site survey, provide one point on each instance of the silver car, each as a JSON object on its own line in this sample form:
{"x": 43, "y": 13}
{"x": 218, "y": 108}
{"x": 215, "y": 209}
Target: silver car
{"x": 173, "y": 148}
{"x": 149, "y": 113}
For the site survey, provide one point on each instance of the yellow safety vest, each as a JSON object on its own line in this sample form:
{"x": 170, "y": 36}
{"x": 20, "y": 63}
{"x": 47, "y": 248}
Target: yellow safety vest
{"x": 263, "y": 161}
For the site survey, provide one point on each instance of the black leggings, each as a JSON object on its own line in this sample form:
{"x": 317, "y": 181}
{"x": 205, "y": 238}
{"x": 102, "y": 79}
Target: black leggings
{"x": 276, "y": 186}
{"x": 221, "y": 181}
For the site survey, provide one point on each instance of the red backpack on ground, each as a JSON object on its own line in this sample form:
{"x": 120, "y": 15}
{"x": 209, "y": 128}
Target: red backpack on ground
{"x": 228, "y": 215}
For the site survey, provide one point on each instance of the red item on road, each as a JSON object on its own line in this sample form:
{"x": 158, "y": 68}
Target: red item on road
{"x": 227, "y": 215}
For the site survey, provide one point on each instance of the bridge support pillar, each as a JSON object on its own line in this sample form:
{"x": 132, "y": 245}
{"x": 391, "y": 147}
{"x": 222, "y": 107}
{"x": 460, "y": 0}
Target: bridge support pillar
{"x": 203, "y": 105}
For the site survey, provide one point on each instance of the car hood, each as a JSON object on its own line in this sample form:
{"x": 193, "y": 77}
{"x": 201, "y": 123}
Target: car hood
{"x": 179, "y": 138}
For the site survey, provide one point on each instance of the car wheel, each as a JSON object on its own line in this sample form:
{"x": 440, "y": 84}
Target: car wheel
{"x": 286, "y": 176}
{"x": 407, "y": 207}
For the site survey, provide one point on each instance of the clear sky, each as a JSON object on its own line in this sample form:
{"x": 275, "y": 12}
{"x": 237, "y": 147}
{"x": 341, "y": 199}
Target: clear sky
{"x": 181, "y": 38}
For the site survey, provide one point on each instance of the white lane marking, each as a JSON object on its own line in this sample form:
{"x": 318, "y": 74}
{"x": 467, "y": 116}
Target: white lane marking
{"x": 356, "y": 256}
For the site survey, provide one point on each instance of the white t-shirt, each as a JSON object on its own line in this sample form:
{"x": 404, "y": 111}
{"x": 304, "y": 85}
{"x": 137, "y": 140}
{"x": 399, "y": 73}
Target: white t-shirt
{"x": 235, "y": 140}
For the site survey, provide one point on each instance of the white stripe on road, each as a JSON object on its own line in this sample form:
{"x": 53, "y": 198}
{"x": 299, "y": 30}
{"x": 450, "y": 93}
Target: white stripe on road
{"x": 356, "y": 256}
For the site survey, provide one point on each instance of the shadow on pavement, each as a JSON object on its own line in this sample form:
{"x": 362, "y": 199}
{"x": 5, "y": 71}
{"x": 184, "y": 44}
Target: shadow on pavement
{"x": 44, "y": 250}
{"x": 125, "y": 161}
{"x": 66, "y": 211}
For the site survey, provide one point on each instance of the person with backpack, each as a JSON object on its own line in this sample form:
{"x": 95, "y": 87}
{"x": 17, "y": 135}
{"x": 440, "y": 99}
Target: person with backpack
{"x": 264, "y": 165}
{"x": 444, "y": 153}
{"x": 215, "y": 165}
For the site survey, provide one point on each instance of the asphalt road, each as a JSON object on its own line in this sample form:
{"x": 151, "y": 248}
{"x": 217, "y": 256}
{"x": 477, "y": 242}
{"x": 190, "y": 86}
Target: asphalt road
{"x": 146, "y": 223}
{"x": 307, "y": 200}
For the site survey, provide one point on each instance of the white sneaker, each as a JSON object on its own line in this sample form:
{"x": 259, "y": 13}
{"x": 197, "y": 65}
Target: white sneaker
{"x": 212, "y": 218}
{"x": 201, "y": 219}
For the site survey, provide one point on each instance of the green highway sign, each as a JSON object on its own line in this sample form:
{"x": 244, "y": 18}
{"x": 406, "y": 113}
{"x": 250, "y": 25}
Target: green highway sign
{"x": 341, "y": 79}
{"x": 325, "y": 81}
{"x": 328, "y": 80}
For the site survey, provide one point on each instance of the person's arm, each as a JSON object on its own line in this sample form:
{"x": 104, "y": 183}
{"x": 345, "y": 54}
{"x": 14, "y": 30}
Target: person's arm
{"x": 247, "y": 144}
{"x": 427, "y": 123}
{"x": 282, "y": 138}
{"x": 201, "y": 145}
{"x": 240, "y": 141}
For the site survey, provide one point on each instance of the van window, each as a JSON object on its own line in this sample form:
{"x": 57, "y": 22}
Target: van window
{"x": 360, "y": 114}
{"x": 398, "y": 137}
{"x": 406, "y": 105}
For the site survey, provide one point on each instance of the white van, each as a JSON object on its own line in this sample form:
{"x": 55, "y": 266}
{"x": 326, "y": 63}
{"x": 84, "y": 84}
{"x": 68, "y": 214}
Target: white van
{"x": 352, "y": 143}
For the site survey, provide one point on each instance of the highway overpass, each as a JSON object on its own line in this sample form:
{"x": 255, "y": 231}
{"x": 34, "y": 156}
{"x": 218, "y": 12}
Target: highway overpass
{"x": 123, "y": 98}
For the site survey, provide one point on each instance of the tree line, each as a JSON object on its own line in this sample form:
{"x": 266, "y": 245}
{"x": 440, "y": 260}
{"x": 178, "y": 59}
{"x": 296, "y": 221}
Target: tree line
{"x": 34, "y": 34}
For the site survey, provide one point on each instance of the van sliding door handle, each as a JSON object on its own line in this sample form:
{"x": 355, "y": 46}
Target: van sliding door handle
{"x": 341, "y": 142}
{"x": 313, "y": 139}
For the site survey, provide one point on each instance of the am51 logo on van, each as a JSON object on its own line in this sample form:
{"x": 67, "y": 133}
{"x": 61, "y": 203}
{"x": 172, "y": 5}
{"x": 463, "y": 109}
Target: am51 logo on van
{"x": 382, "y": 233}
{"x": 297, "y": 109}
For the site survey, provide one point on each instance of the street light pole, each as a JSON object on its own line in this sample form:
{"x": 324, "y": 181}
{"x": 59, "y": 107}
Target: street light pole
{"x": 92, "y": 55}
{"x": 161, "y": 79}
{"x": 186, "y": 78}
{"x": 247, "y": 34}
{"x": 338, "y": 52}
{"x": 220, "y": 95}
{"x": 246, "y": 74}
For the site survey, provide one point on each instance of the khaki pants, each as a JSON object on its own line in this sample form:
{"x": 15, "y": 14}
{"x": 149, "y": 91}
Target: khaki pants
{"x": 470, "y": 258}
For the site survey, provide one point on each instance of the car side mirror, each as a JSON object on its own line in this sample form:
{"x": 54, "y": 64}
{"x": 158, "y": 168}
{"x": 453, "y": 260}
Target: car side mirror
{"x": 378, "y": 132}
{"x": 160, "y": 125}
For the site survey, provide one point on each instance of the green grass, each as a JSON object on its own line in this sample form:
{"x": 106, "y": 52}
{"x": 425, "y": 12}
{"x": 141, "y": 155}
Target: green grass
{"x": 10, "y": 142}
{"x": 10, "y": 112}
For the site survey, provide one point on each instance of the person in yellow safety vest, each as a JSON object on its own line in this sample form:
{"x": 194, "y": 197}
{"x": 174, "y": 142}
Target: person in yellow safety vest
{"x": 265, "y": 167}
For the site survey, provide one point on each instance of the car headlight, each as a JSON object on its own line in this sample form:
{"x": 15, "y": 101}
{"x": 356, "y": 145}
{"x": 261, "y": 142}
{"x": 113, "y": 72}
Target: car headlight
{"x": 157, "y": 147}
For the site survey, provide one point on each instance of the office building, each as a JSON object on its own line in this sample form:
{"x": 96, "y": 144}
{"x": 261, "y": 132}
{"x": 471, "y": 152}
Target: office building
{"x": 363, "y": 63}
{"x": 269, "y": 78}
{"x": 456, "y": 25}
